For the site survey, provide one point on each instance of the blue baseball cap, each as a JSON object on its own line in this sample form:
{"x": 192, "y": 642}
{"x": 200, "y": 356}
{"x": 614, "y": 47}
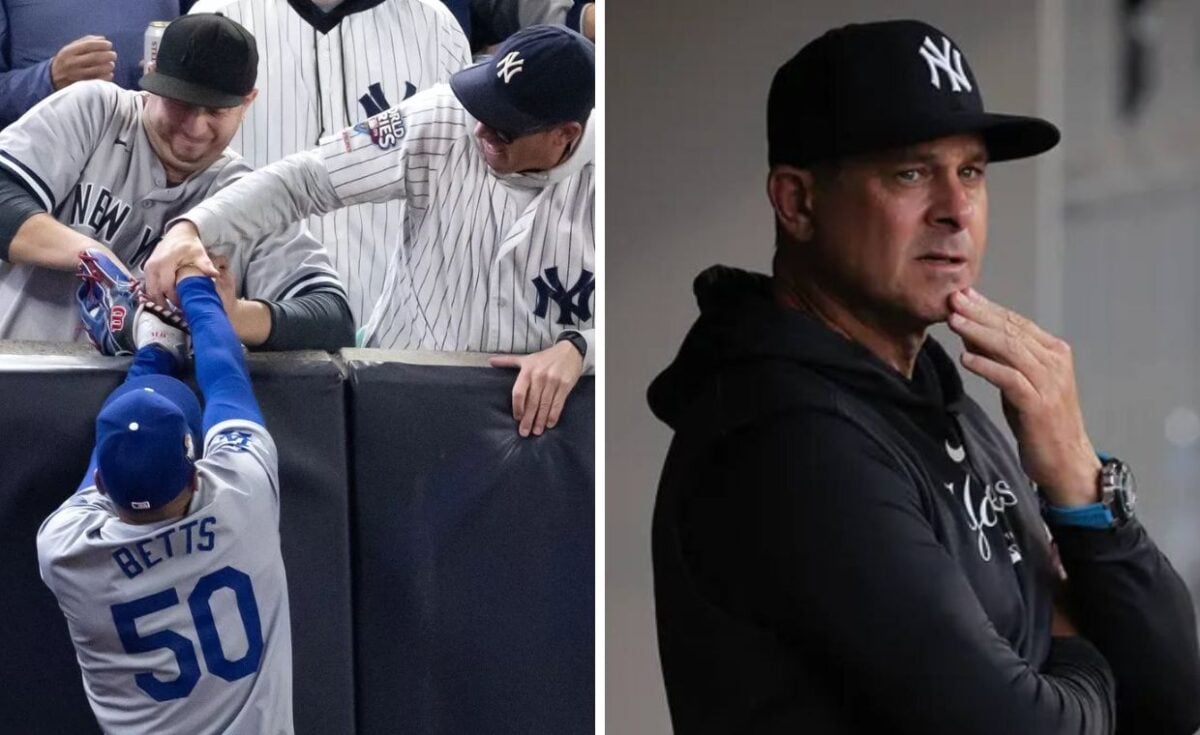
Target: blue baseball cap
{"x": 147, "y": 436}
{"x": 541, "y": 76}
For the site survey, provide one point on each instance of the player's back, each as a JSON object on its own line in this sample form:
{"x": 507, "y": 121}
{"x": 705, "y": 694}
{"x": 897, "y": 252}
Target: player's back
{"x": 181, "y": 626}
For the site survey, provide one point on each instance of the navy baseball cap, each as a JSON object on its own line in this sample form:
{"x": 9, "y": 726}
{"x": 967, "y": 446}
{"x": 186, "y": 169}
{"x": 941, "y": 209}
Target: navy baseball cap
{"x": 866, "y": 88}
{"x": 147, "y": 436}
{"x": 541, "y": 76}
{"x": 205, "y": 60}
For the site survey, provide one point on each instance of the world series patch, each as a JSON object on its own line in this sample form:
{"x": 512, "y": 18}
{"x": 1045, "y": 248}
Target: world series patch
{"x": 385, "y": 129}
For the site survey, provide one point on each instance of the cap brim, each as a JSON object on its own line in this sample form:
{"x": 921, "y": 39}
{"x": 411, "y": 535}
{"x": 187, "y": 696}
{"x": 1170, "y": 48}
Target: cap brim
{"x": 174, "y": 390}
{"x": 1013, "y": 136}
{"x": 475, "y": 88}
{"x": 1007, "y": 137}
{"x": 192, "y": 94}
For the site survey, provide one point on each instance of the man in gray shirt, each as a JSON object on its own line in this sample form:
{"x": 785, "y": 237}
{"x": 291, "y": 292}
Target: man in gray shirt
{"x": 97, "y": 165}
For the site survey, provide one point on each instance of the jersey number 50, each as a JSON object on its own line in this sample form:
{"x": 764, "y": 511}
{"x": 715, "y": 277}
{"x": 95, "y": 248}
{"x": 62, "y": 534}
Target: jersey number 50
{"x": 126, "y": 614}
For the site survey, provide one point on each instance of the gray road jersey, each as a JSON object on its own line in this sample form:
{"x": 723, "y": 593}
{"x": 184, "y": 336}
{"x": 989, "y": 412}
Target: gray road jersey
{"x": 181, "y": 626}
{"x": 84, "y": 154}
{"x": 312, "y": 84}
{"x": 485, "y": 263}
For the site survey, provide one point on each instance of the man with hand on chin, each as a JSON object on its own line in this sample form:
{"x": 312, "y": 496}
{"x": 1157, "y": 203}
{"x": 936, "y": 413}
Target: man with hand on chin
{"x": 496, "y": 250}
{"x": 843, "y": 541}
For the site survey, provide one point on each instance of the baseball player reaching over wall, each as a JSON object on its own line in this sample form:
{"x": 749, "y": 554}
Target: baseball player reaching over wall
{"x": 497, "y": 246}
{"x": 97, "y": 166}
{"x": 324, "y": 66}
{"x": 166, "y": 561}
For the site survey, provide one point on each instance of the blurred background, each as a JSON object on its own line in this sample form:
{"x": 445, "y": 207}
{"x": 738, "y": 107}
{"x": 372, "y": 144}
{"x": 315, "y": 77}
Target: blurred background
{"x": 1098, "y": 241}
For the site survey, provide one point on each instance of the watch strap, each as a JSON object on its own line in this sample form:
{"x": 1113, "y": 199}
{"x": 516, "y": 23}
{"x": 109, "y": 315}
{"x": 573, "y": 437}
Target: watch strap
{"x": 576, "y": 339}
{"x": 1095, "y": 515}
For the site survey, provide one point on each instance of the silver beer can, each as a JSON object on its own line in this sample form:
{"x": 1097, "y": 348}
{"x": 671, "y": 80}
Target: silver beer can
{"x": 154, "y": 34}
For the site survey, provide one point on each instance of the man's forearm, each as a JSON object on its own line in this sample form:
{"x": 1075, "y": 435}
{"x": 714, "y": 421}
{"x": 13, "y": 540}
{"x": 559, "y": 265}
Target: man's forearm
{"x": 46, "y": 242}
{"x": 265, "y": 201}
{"x": 220, "y": 367}
{"x": 30, "y": 236}
{"x": 1128, "y": 600}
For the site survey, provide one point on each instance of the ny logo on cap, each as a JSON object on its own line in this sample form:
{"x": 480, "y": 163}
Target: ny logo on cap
{"x": 940, "y": 59}
{"x": 510, "y": 65}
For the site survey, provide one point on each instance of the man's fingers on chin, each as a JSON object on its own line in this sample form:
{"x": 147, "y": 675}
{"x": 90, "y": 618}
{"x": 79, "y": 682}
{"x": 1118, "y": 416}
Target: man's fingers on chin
{"x": 1011, "y": 382}
{"x": 987, "y": 340}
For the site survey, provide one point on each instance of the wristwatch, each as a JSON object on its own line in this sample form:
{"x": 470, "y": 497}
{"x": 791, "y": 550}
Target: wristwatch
{"x": 576, "y": 339}
{"x": 1118, "y": 496}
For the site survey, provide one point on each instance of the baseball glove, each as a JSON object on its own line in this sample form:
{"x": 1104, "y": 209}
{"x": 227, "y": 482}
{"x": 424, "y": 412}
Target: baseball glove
{"x": 112, "y": 304}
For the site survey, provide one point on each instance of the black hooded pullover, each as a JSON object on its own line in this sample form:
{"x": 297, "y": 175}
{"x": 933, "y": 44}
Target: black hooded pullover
{"x": 838, "y": 549}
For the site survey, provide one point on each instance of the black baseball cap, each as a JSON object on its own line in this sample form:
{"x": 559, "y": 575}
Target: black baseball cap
{"x": 541, "y": 76}
{"x": 206, "y": 60}
{"x": 869, "y": 87}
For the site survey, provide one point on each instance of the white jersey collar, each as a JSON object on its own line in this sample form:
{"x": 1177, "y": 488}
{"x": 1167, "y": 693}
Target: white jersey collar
{"x": 580, "y": 157}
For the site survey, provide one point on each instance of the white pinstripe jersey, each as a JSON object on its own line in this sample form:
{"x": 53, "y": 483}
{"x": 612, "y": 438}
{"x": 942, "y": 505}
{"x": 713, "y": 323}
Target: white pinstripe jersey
{"x": 182, "y": 626}
{"x": 319, "y": 73}
{"x": 84, "y": 154}
{"x": 484, "y": 263}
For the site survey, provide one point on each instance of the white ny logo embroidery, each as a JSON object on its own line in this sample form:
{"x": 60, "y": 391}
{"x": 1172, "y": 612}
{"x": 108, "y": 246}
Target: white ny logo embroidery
{"x": 941, "y": 59}
{"x": 510, "y": 65}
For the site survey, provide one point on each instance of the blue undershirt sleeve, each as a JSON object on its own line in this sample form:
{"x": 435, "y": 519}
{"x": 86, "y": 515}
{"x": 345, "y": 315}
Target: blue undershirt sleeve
{"x": 220, "y": 365}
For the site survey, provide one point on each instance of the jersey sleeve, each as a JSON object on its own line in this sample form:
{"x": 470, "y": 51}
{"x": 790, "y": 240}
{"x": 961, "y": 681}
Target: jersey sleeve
{"x": 397, "y": 153}
{"x": 283, "y": 265}
{"x": 1127, "y": 598}
{"x": 65, "y": 530}
{"x": 455, "y": 48}
{"x": 243, "y": 455}
{"x": 268, "y": 200}
{"x": 48, "y": 148}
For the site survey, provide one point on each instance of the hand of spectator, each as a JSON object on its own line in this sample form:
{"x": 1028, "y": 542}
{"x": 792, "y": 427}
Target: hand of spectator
{"x": 179, "y": 247}
{"x": 226, "y": 288}
{"x": 89, "y": 57}
{"x": 188, "y": 271}
{"x": 1036, "y": 377}
{"x": 545, "y": 380}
